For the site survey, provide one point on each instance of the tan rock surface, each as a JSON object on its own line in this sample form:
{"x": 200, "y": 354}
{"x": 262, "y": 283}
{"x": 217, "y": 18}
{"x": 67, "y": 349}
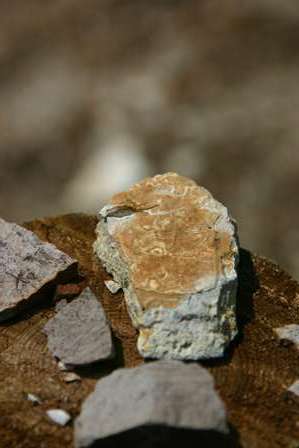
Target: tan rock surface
{"x": 167, "y": 241}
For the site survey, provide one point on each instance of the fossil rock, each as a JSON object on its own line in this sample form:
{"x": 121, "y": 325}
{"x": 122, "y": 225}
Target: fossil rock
{"x": 166, "y": 392}
{"x": 173, "y": 249}
{"x": 79, "y": 333}
{"x": 26, "y": 265}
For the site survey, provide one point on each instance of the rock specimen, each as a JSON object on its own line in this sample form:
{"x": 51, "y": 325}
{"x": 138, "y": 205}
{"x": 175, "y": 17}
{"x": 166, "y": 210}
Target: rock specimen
{"x": 79, "y": 333}
{"x": 26, "y": 265}
{"x": 166, "y": 392}
{"x": 173, "y": 249}
{"x": 289, "y": 333}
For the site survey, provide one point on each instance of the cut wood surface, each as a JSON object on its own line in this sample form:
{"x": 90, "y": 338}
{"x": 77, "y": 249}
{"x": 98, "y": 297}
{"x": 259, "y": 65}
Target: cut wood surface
{"x": 252, "y": 379}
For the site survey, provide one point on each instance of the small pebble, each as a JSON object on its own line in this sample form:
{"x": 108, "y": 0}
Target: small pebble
{"x": 34, "y": 399}
{"x": 113, "y": 286}
{"x": 59, "y": 416}
{"x": 62, "y": 366}
{"x": 71, "y": 377}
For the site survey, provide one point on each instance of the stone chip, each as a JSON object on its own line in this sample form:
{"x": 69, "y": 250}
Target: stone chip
{"x": 59, "y": 416}
{"x": 112, "y": 286}
{"x": 26, "y": 265}
{"x": 294, "y": 388}
{"x": 79, "y": 333}
{"x": 165, "y": 393}
{"x": 289, "y": 333}
{"x": 174, "y": 251}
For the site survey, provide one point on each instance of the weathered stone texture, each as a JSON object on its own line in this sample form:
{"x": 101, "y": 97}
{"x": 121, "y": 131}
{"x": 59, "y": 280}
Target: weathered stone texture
{"x": 167, "y": 393}
{"x": 26, "y": 265}
{"x": 173, "y": 249}
{"x": 79, "y": 334}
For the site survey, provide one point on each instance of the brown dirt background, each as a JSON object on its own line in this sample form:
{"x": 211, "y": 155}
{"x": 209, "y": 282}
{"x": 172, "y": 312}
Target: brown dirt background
{"x": 205, "y": 87}
{"x": 252, "y": 379}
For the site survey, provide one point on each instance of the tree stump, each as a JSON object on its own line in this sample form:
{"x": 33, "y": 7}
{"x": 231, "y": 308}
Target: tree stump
{"x": 252, "y": 379}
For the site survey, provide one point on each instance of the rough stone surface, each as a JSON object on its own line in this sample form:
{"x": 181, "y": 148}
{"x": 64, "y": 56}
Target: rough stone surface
{"x": 26, "y": 265}
{"x": 61, "y": 304}
{"x": 173, "y": 249}
{"x": 289, "y": 333}
{"x": 165, "y": 392}
{"x": 79, "y": 333}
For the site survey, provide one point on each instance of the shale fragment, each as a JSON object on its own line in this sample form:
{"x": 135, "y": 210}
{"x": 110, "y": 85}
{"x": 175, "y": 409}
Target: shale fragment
{"x": 174, "y": 251}
{"x": 163, "y": 393}
{"x": 26, "y": 265}
{"x": 79, "y": 333}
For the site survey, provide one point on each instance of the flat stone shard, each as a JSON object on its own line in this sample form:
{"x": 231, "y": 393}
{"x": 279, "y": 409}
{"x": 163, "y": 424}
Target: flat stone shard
{"x": 79, "y": 333}
{"x": 26, "y": 265}
{"x": 294, "y": 388}
{"x": 167, "y": 393}
{"x": 173, "y": 249}
{"x": 59, "y": 416}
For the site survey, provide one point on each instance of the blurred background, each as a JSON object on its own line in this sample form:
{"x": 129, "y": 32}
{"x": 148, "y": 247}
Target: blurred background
{"x": 97, "y": 94}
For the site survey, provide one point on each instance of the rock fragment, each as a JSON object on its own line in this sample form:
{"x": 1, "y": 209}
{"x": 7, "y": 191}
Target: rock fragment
{"x": 289, "y": 333}
{"x": 61, "y": 304}
{"x": 71, "y": 377}
{"x": 34, "y": 399}
{"x": 79, "y": 333}
{"x": 113, "y": 286}
{"x": 26, "y": 265}
{"x": 174, "y": 250}
{"x": 294, "y": 388}
{"x": 59, "y": 416}
{"x": 164, "y": 393}
{"x": 62, "y": 367}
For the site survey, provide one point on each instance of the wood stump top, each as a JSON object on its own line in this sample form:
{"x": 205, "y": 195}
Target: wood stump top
{"x": 252, "y": 379}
